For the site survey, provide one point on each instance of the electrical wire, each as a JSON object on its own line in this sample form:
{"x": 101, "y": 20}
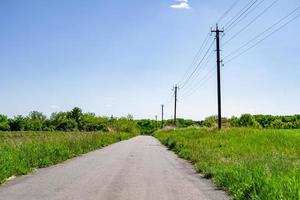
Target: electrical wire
{"x": 199, "y": 52}
{"x": 205, "y": 64}
{"x": 240, "y": 13}
{"x": 264, "y": 38}
{"x": 197, "y": 67}
{"x": 169, "y": 99}
{"x": 227, "y": 12}
{"x": 250, "y": 23}
{"x": 246, "y": 15}
{"x": 201, "y": 83}
{"x": 262, "y": 33}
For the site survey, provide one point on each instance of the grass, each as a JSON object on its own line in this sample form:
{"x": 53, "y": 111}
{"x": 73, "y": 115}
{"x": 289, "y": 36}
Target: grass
{"x": 21, "y": 153}
{"x": 247, "y": 163}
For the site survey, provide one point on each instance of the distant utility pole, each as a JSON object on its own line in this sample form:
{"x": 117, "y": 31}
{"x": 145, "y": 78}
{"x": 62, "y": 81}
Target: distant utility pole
{"x": 217, "y": 31}
{"x": 162, "y": 116}
{"x": 175, "y": 104}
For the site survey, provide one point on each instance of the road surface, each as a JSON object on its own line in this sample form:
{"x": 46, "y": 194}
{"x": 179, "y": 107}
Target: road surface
{"x": 136, "y": 169}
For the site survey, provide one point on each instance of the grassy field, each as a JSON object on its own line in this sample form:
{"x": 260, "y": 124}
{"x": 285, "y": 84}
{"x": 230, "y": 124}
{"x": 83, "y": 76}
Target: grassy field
{"x": 20, "y": 153}
{"x": 247, "y": 163}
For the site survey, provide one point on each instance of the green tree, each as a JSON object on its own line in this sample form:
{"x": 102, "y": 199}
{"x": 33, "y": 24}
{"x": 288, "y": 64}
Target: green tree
{"x": 210, "y": 121}
{"x": 4, "y": 123}
{"x": 35, "y": 121}
{"x": 125, "y": 125}
{"x": 277, "y": 123}
{"x": 147, "y": 126}
{"x": 90, "y": 122}
{"x": 62, "y": 122}
{"x": 234, "y": 122}
{"x": 76, "y": 114}
{"x": 18, "y": 123}
{"x": 247, "y": 120}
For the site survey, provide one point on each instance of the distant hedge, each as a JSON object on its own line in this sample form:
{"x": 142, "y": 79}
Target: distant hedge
{"x": 257, "y": 121}
{"x": 74, "y": 120}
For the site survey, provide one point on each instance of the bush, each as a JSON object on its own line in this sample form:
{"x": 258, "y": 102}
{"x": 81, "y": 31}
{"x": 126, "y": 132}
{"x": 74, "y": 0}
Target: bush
{"x": 90, "y": 122}
{"x": 4, "y": 123}
{"x": 210, "y": 122}
{"x": 248, "y": 120}
{"x": 17, "y": 123}
{"x": 76, "y": 120}
{"x": 147, "y": 127}
{"x": 123, "y": 124}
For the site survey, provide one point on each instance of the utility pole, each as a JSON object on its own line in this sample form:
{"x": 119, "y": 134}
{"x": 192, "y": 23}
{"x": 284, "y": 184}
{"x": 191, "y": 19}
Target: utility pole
{"x": 217, "y": 31}
{"x": 175, "y": 104}
{"x": 162, "y": 116}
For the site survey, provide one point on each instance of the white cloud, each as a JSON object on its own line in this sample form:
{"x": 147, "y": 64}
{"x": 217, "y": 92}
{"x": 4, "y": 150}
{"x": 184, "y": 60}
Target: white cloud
{"x": 181, "y": 4}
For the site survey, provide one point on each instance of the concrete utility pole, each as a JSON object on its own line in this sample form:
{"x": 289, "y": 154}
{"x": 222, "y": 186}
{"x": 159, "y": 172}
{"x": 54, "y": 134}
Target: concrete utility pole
{"x": 175, "y": 104}
{"x": 217, "y": 31}
{"x": 162, "y": 116}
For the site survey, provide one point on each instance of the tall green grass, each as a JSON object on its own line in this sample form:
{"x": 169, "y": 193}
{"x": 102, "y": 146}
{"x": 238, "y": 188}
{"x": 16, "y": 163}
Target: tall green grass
{"x": 247, "y": 163}
{"x": 20, "y": 153}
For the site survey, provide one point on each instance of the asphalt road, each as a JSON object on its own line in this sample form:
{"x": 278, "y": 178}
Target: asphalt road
{"x": 137, "y": 169}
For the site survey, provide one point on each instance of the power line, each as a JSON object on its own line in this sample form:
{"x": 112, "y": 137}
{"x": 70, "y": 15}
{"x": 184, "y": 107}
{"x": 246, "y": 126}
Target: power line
{"x": 246, "y": 15}
{"x": 205, "y": 64}
{"x": 265, "y": 31}
{"x": 169, "y": 99}
{"x": 229, "y": 9}
{"x": 240, "y": 13}
{"x": 199, "y": 52}
{"x": 266, "y": 37}
{"x": 251, "y": 22}
{"x": 199, "y": 64}
{"x": 201, "y": 83}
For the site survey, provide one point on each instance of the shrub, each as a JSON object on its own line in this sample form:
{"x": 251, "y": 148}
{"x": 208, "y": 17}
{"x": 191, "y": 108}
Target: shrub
{"x": 4, "y": 123}
{"x": 147, "y": 127}
{"x": 210, "y": 122}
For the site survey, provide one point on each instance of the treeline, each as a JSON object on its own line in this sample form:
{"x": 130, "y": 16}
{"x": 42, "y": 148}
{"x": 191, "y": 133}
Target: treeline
{"x": 74, "y": 120}
{"x": 257, "y": 121}
{"x": 77, "y": 120}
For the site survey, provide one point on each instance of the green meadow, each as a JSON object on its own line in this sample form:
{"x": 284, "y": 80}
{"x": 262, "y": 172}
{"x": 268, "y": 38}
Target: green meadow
{"x": 248, "y": 163}
{"x": 22, "y": 152}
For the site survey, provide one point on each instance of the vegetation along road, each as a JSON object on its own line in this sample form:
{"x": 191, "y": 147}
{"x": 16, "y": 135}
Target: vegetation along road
{"x": 139, "y": 168}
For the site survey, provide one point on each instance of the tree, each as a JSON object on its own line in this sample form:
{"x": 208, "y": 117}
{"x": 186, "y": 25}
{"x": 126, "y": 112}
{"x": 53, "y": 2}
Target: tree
{"x": 210, "y": 121}
{"x": 265, "y": 120}
{"x": 18, "y": 123}
{"x": 147, "y": 126}
{"x": 62, "y": 122}
{"x": 76, "y": 114}
{"x": 247, "y": 120}
{"x": 125, "y": 125}
{"x": 4, "y": 123}
{"x": 90, "y": 122}
{"x": 35, "y": 121}
{"x": 234, "y": 122}
{"x": 277, "y": 123}
{"x": 185, "y": 122}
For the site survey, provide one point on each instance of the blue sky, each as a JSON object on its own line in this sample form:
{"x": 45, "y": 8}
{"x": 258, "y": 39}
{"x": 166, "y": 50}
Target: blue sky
{"x": 119, "y": 57}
